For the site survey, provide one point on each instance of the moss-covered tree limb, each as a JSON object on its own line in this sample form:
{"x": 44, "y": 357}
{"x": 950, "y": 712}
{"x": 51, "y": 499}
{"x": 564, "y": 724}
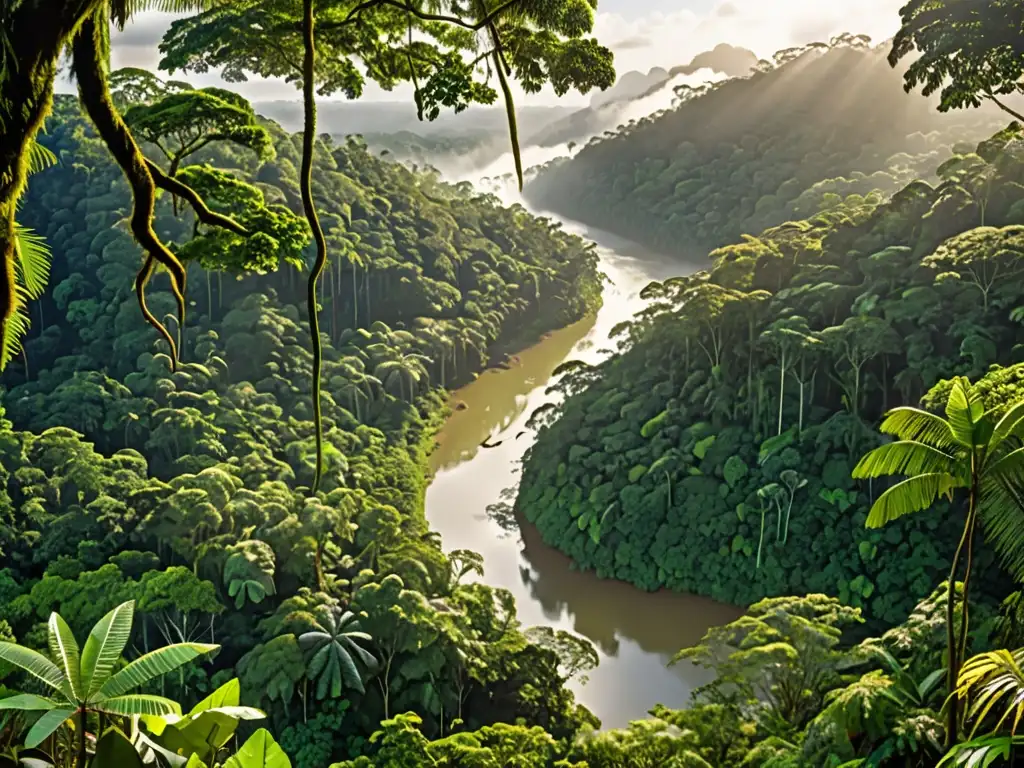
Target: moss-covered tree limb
{"x": 89, "y": 63}
{"x": 189, "y": 195}
{"x": 33, "y": 36}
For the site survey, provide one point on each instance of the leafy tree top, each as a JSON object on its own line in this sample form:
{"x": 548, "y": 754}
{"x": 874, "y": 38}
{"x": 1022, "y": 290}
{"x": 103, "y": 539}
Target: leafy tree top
{"x": 969, "y": 51}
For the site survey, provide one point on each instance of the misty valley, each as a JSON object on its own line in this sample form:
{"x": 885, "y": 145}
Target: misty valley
{"x": 494, "y": 384}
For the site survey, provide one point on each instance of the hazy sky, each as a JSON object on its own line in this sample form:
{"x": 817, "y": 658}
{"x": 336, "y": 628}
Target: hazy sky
{"x": 643, "y": 34}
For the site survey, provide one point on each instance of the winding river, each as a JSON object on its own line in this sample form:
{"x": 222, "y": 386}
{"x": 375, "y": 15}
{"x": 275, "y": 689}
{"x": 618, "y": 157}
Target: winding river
{"x": 469, "y": 503}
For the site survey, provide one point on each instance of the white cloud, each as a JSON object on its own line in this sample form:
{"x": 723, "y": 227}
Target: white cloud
{"x": 764, "y": 26}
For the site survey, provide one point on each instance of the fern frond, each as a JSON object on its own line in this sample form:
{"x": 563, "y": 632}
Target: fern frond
{"x": 13, "y": 332}
{"x": 33, "y": 262}
{"x": 32, "y": 271}
{"x": 40, "y": 158}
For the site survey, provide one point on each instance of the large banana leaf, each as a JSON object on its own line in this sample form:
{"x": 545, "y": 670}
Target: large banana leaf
{"x": 35, "y": 664}
{"x": 910, "y": 495}
{"x": 114, "y": 749}
{"x": 964, "y": 410}
{"x": 138, "y": 704}
{"x": 46, "y": 725}
{"x": 103, "y": 648}
{"x": 260, "y": 751}
{"x": 64, "y": 650}
{"x": 153, "y": 664}
{"x": 904, "y": 457}
{"x": 915, "y": 424}
{"x": 27, "y": 702}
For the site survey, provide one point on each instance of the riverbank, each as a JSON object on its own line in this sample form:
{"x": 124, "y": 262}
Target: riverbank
{"x": 469, "y": 502}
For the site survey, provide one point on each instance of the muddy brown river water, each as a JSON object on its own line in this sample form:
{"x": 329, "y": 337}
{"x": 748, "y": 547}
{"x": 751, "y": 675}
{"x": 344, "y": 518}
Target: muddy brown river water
{"x": 635, "y": 632}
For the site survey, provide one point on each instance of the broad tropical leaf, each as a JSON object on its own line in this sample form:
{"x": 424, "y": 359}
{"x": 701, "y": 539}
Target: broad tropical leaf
{"x": 138, "y": 704}
{"x": 115, "y": 749}
{"x": 35, "y": 664}
{"x": 260, "y": 751}
{"x": 64, "y": 650}
{"x": 27, "y": 702}
{"x": 1010, "y": 424}
{"x": 989, "y": 679}
{"x": 46, "y": 725}
{"x": 910, "y": 495}
{"x": 918, "y": 425}
{"x": 905, "y": 457}
{"x": 104, "y": 646}
{"x": 1002, "y": 499}
{"x": 964, "y": 409}
{"x": 228, "y": 695}
{"x": 153, "y": 664}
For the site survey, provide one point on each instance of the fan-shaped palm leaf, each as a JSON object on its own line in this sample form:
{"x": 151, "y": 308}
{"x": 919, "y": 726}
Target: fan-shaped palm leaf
{"x": 335, "y": 648}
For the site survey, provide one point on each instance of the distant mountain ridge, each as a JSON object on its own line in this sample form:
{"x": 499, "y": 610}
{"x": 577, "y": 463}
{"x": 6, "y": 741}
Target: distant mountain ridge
{"x": 606, "y": 106}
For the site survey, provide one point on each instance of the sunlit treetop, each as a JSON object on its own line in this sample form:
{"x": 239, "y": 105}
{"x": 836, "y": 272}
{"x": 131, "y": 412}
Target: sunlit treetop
{"x": 971, "y": 51}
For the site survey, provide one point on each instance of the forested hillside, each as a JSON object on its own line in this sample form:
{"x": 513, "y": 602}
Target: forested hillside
{"x": 714, "y": 453}
{"x": 188, "y": 491}
{"x": 745, "y": 154}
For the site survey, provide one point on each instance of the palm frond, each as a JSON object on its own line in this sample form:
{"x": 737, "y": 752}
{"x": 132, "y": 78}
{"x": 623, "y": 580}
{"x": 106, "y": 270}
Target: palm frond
{"x": 910, "y": 495}
{"x": 14, "y": 331}
{"x": 988, "y": 679}
{"x": 904, "y": 457}
{"x": 908, "y": 423}
{"x": 31, "y": 274}
{"x": 964, "y": 410}
{"x": 34, "y": 258}
{"x": 40, "y": 158}
{"x": 1010, "y": 425}
{"x": 982, "y": 752}
{"x": 151, "y": 665}
{"x": 1002, "y": 509}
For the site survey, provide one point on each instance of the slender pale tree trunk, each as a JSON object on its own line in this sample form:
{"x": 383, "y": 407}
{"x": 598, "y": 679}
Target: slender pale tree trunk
{"x": 952, "y": 647}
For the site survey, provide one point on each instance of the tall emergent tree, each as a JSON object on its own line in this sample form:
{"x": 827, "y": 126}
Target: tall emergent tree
{"x": 448, "y": 50}
{"x": 974, "y": 450}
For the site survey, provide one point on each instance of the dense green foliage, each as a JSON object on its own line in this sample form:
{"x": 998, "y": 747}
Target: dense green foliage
{"x": 188, "y": 491}
{"x": 749, "y": 153}
{"x": 714, "y": 454}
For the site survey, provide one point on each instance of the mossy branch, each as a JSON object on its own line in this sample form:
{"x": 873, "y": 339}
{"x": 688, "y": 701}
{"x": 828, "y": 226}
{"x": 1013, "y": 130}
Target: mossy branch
{"x": 89, "y": 63}
{"x": 202, "y": 211}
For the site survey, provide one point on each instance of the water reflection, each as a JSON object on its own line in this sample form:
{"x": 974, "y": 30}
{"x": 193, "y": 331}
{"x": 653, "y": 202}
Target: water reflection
{"x": 469, "y": 503}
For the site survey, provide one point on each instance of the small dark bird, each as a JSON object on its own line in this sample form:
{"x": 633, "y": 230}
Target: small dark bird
{"x": 486, "y": 444}
{"x": 520, "y": 434}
